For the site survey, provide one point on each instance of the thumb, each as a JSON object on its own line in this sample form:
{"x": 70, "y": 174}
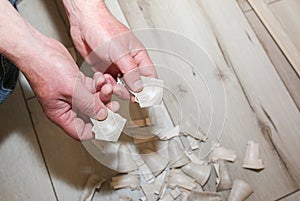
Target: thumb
{"x": 88, "y": 103}
{"x": 131, "y": 73}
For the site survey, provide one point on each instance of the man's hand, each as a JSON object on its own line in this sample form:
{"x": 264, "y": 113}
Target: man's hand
{"x": 68, "y": 97}
{"x": 108, "y": 45}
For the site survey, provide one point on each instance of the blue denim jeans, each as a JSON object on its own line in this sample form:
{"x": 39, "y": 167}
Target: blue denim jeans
{"x": 8, "y": 73}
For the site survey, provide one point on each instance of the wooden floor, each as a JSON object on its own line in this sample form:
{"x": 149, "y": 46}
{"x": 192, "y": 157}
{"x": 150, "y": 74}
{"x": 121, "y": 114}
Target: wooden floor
{"x": 256, "y": 68}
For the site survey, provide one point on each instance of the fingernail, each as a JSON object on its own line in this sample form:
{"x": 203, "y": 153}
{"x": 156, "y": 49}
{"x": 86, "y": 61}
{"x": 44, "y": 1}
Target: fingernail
{"x": 138, "y": 85}
{"x": 102, "y": 114}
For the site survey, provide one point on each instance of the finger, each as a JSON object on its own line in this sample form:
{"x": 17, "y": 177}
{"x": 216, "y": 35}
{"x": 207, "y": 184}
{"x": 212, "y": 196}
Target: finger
{"x": 121, "y": 92}
{"x": 99, "y": 81}
{"x": 74, "y": 126}
{"x": 110, "y": 80}
{"x": 106, "y": 93}
{"x": 113, "y": 106}
{"x": 131, "y": 73}
{"x": 88, "y": 103}
{"x": 145, "y": 64}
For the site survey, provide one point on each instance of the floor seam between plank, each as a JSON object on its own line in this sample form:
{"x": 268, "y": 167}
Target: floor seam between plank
{"x": 38, "y": 141}
{"x": 262, "y": 22}
{"x": 61, "y": 16}
{"x": 291, "y": 95}
{"x": 29, "y": 98}
{"x": 287, "y": 195}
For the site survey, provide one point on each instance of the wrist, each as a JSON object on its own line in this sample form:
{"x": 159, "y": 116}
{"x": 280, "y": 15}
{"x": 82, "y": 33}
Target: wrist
{"x": 79, "y": 11}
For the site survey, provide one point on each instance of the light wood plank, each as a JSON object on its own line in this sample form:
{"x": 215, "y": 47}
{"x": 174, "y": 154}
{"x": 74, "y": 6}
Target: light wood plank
{"x": 45, "y": 17}
{"x": 68, "y": 161}
{"x": 293, "y": 197}
{"x": 116, "y": 11}
{"x": 23, "y": 174}
{"x": 281, "y": 28}
{"x": 249, "y": 82}
{"x": 283, "y": 67}
{"x": 287, "y": 12}
{"x": 244, "y": 5}
{"x": 255, "y": 65}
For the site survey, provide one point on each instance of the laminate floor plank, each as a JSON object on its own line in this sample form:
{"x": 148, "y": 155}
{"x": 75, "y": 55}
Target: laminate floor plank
{"x": 281, "y": 20}
{"x": 23, "y": 174}
{"x": 283, "y": 67}
{"x": 251, "y": 83}
{"x": 45, "y": 17}
{"x": 293, "y": 197}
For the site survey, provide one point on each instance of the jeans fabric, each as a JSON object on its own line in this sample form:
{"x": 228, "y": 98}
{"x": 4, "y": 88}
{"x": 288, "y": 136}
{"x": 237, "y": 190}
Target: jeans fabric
{"x": 8, "y": 73}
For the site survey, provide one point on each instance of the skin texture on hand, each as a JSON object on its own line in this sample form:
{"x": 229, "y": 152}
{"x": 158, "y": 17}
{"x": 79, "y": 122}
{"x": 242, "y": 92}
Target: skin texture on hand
{"x": 67, "y": 97}
{"x": 108, "y": 45}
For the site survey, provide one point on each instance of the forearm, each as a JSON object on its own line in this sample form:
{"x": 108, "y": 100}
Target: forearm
{"x": 16, "y": 35}
{"x": 27, "y": 48}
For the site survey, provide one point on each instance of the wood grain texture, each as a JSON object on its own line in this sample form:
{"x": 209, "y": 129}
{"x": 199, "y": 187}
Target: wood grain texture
{"x": 283, "y": 67}
{"x": 45, "y": 17}
{"x": 251, "y": 85}
{"x": 287, "y": 13}
{"x": 23, "y": 174}
{"x": 255, "y": 65}
{"x": 279, "y": 18}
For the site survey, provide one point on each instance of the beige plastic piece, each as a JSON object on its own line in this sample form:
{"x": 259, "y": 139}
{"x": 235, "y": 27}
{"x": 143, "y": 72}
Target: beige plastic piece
{"x": 159, "y": 182}
{"x": 198, "y": 172}
{"x": 207, "y": 196}
{"x": 240, "y": 191}
{"x": 194, "y": 158}
{"x": 151, "y": 94}
{"x": 139, "y": 123}
{"x": 173, "y": 195}
{"x": 159, "y": 116}
{"x": 143, "y": 140}
{"x": 148, "y": 190}
{"x": 222, "y": 153}
{"x": 185, "y": 194}
{"x": 125, "y": 199}
{"x": 223, "y": 180}
{"x": 154, "y": 161}
{"x": 176, "y": 179}
{"x": 169, "y": 134}
{"x": 252, "y": 160}
{"x": 162, "y": 191}
{"x": 125, "y": 161}
{"x": 126, "y": 180}
{"x": 144, "y": 170}
{"x": 109, "y": 129}
{"x": 193, "y": 143}
{"x": 177, "y": 155}
{"x": 93, "y": 183}
{"x": 148, "y": 121}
